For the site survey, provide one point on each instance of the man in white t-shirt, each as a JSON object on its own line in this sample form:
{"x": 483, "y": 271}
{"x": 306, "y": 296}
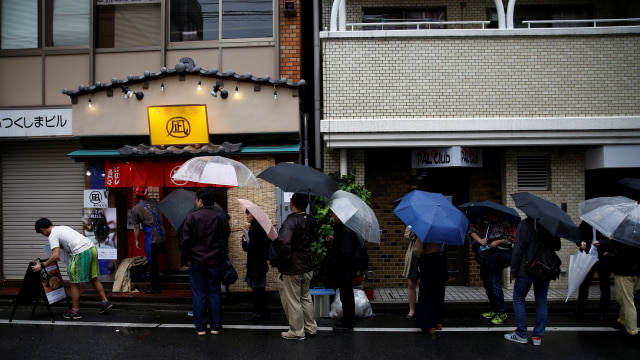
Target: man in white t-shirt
{"x": 83, "y": 266}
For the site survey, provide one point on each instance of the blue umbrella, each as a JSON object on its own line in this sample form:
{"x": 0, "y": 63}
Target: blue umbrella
{"x": 475, "y": 210}
{"x": 433, "y": 218}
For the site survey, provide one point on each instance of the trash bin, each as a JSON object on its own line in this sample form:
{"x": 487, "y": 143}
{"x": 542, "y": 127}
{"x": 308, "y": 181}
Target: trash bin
{"x": 321, "y": 301}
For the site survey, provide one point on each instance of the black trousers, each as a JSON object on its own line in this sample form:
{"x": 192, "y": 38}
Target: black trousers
{"x": 154, "y": 266}
{"x": 603, "y": 268}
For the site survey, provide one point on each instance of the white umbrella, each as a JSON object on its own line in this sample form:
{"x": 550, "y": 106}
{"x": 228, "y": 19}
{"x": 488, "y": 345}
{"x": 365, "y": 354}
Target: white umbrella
{"x": 579, "y": 266}
{"x": 216, "y": 170}
{"x": 356, "y": 215}
{"x": 615, "y": 217}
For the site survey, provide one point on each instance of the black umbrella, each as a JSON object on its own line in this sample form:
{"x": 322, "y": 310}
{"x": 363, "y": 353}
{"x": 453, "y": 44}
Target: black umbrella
{"x": 177, "y": 205}
{"x": 631, "y": 183}
{"x": 549, "y": 215}
{"x": 475, "y": 210}
{"x": 300, "y": 179}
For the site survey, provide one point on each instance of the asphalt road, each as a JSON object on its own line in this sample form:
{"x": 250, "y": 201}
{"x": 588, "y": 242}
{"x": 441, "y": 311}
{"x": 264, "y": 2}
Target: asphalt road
{"x": 162, "y": 334}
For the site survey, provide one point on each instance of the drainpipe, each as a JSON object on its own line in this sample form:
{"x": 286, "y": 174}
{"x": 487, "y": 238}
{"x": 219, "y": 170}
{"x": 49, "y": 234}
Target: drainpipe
{"x": 316, "y": 83}
{"x": 510, "y": 8}
{"x": 343, "y": 162}
{"x": 500, "y": 11}
{"x": 305, "y": 147}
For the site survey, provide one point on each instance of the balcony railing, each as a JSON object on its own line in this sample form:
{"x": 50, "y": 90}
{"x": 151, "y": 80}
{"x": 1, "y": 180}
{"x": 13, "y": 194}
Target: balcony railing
{"x": 591, "y": 21}
{"x": 426, "y": 25}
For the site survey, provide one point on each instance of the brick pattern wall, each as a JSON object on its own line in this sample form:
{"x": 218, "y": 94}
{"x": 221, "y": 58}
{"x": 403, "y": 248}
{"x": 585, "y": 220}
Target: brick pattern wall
{"x": 566, "y": 177}
{"x": 290, "y": 44}
{"x": 481, "y": 77}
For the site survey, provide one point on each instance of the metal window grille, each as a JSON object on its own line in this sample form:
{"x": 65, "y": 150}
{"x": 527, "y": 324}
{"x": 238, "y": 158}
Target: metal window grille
{"x": 533, "y": 172}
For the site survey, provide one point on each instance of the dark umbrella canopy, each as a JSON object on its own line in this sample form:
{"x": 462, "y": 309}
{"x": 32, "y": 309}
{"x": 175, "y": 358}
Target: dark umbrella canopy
{"x": 475, "y": 210}
{"x": 177, "y": 205}
{"x": 631, "y": 183}
{"x": 549, "y": 215}
{"x": 300, "y": 179}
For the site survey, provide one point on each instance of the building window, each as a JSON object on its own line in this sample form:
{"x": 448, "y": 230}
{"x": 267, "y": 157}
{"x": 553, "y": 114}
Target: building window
{"x": 200, "y": 20}
{"x": 19, "y": 24}
{"x": 127, "y": 25}
{"x": 66, "y": 23}
{"x": 533, "y": 172}
{"x": 401, "y": 15}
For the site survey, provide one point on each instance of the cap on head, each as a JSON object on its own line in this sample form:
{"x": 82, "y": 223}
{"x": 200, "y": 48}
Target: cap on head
{"x": 141, "y": 191}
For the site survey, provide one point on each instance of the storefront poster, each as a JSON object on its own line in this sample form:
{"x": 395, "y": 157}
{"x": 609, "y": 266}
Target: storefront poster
{"x": 53, "y": 285}
{"x": 100, "y": 226}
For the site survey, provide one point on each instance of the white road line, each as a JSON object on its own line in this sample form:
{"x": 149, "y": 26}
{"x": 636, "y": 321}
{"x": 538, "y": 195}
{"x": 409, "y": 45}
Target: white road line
{"x": 277, "y": 327}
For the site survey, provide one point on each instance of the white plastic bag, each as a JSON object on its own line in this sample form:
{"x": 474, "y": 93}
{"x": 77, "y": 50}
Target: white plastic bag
{"x": 363, "y": 307}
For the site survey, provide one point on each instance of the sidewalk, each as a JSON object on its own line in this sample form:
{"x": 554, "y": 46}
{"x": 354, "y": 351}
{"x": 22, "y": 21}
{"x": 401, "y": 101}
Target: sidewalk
{"x": 385, "y": 299}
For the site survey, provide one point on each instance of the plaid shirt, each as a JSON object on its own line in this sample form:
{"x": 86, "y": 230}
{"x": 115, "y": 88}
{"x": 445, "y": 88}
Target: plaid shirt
{"x": 500, "y": 230}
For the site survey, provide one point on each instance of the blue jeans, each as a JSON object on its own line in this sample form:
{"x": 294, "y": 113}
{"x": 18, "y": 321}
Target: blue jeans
{"x": 520, "y": 290}
{"x": 205, "y": 288}
{"x": 492, "y": 282}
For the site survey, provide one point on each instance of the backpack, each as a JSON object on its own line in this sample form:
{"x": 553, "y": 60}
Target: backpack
{"x": 361, "y": 256}
{"x": 544, "y": 264}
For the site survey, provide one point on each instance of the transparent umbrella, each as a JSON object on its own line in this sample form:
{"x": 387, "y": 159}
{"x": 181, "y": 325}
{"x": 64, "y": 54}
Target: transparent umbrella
{"x": 217, "y": 171}
{"x": 356, "y": 215}
{"x": 616, "y": 217}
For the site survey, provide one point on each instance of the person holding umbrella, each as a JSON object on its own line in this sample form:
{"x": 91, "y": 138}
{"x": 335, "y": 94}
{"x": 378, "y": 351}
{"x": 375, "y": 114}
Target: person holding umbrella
{"x": 496, "y": 235}
{"x": 256, "y": 243}
{"x": 528, "y": 234}
{"x": 625, "y": 264}
{"x": 341, "y": 270}
{"x": 296, "y": 271}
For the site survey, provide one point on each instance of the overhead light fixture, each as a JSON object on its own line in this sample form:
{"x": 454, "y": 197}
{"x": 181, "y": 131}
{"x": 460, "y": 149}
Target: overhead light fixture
{"x": 162, "y": 86}
{"x": 88, "y": 173}
{"x": 90, "y": 104}
{"x": 127, "y": 92}
{"x": 139, "y": 95}
{"x": 236, "y": 87}
{"x": 218, "y": 88}
{"x": 275, "y": 93}
{"x": 199, "y": 84}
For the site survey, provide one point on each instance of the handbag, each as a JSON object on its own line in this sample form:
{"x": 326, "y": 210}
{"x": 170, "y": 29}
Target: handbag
{"x": 229, "y": 274}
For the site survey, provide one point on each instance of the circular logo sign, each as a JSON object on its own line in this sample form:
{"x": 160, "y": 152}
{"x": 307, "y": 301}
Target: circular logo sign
{"x": 178, "y": 127}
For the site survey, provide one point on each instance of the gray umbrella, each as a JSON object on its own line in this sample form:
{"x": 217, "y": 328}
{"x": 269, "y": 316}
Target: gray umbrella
{"x": 177, "y": 205}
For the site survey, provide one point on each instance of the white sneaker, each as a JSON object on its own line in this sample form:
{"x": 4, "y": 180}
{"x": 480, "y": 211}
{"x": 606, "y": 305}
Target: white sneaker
{"x": 515, "y": 338}
{"x": 536, "y": 341}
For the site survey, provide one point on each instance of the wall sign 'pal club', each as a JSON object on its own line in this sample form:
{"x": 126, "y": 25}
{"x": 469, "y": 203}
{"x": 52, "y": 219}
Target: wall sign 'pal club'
{"x": 178, "y": 124}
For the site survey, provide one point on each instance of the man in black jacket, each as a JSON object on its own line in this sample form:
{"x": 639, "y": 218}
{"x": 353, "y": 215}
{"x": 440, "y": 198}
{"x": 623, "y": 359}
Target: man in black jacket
{"x": 528, "y": 234}
{"x": 205, "y": 237}
{"x": 296, "y": 272}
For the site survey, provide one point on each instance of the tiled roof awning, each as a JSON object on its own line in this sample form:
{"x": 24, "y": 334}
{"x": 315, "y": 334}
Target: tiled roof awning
{"x": 143, "y": 150}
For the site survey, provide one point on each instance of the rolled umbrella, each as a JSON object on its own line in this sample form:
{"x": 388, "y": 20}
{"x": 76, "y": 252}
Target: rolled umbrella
{"x": 356, "y": 215}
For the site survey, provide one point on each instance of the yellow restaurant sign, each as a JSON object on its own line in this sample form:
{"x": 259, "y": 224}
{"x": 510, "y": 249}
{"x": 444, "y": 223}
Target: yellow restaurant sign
{"x": 178, "y": 124}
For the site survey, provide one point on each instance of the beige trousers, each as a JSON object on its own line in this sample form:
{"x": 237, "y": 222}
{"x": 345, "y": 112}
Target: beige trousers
{"x": 626, "y": 287}
{"x": 297, "y": 303}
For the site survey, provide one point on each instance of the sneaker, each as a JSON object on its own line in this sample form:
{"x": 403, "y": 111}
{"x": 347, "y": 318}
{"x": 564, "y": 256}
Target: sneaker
{"x": 70, "y": 315}
{"x": 106, "y": 307}
{"x": 289, "y": 336}
{"x": 515, "y": 338}
{"x": 190, "y": 313}
{"x": 499, "y": 318}
{"x": 489, "y": 315}
{"x": 216, "y": 332}
{"x": 537, "y": 341}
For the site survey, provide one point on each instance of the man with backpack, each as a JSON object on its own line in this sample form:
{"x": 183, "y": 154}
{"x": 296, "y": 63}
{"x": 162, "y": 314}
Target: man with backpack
{"x": 531, "y": 238}
{"x": 342, "y": 268}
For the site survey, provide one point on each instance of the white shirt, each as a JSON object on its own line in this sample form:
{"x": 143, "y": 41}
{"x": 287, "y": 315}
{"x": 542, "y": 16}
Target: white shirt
{"x": 69, "y": 240}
